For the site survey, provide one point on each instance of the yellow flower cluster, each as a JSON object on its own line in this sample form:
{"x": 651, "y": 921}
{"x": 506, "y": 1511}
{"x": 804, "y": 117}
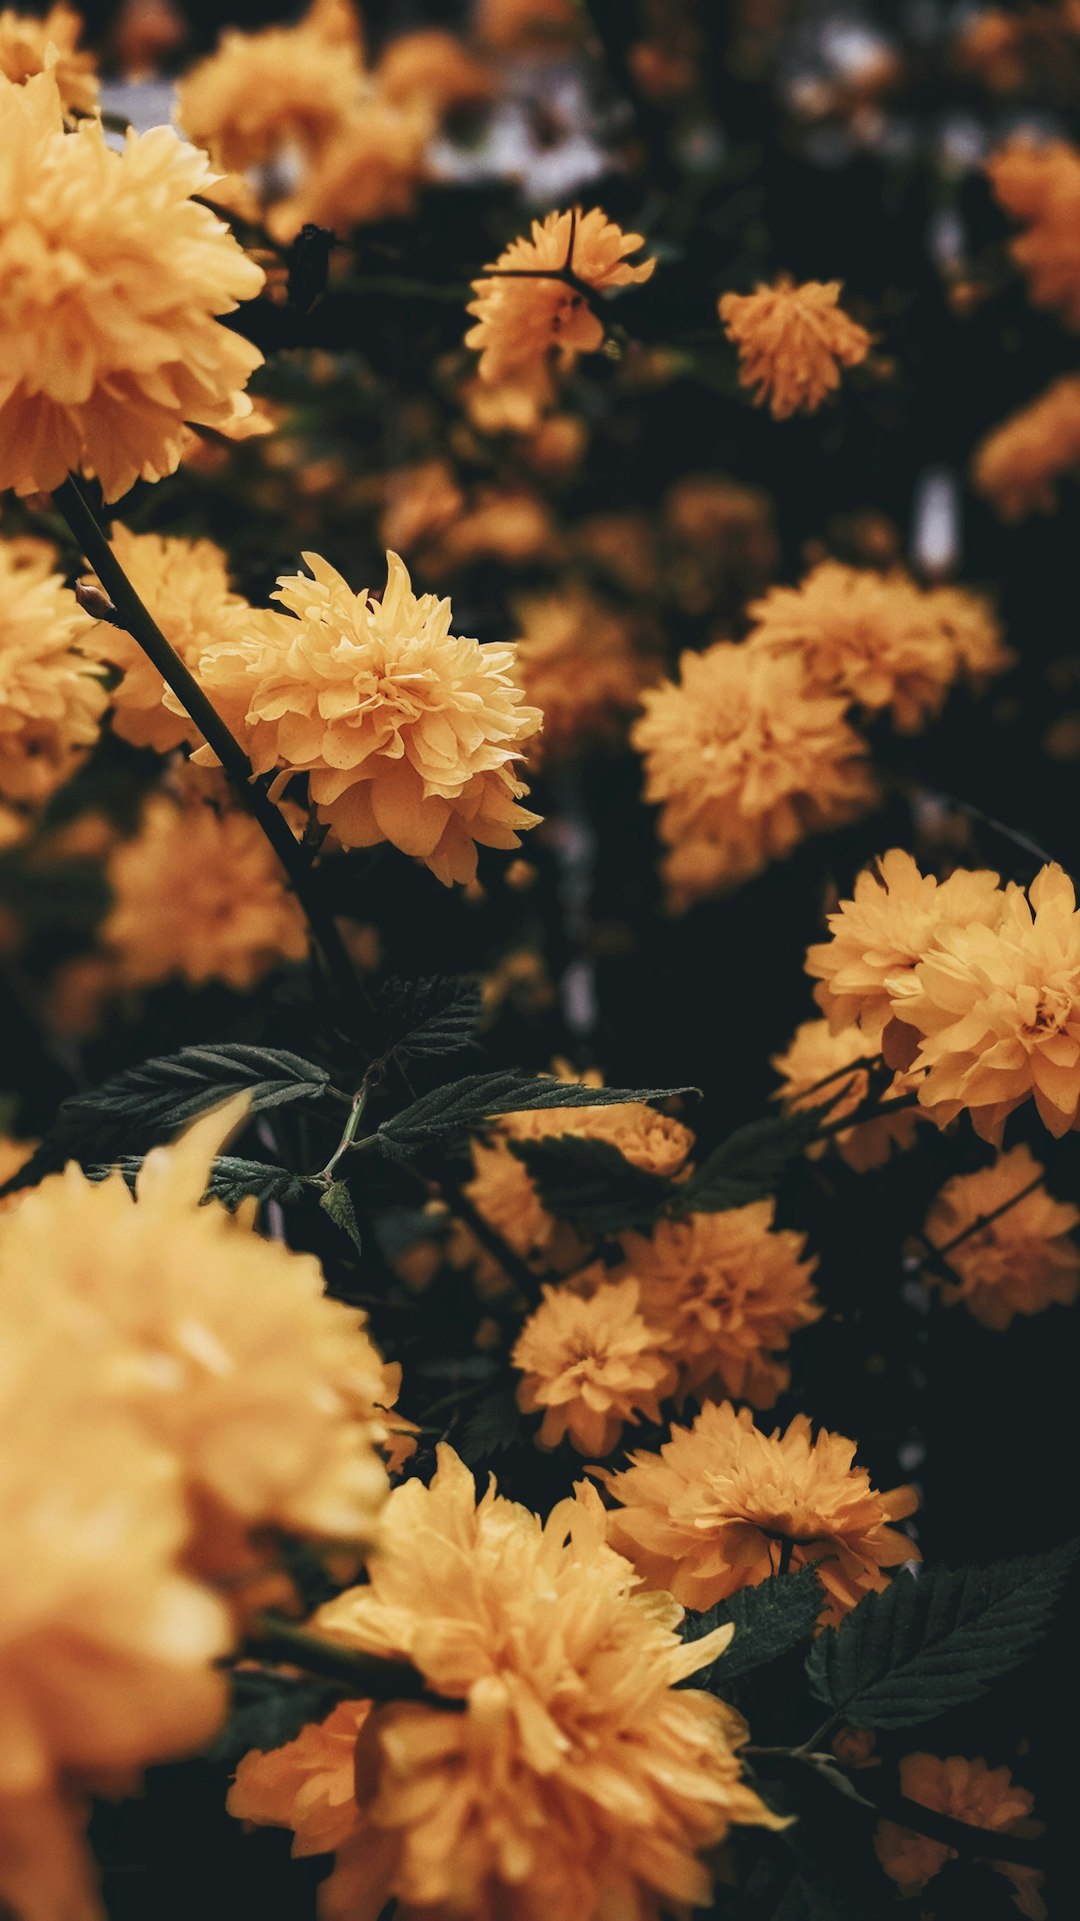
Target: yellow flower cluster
{"x": 112, "y": 278}
{"x": 31, "y": 45}
{"x": 1017, "y": 464}
{"x": 793, "y": 340}
{"x": 722, "y": 1503}
{"x": 579, "y": 1776}
{"x": 813, "y": 1072}
{"x": 970, "y": 1791}
{"x": 1013, "y": 1251}
{"x": 578, "y": 665}
{"x": 52, "y": 697}
{"x": 260, "y": 94}
{"x": 1040, "y": 186}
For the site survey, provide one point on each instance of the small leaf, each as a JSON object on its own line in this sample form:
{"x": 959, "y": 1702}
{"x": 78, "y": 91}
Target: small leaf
{"x": 747, "y": 1166}
{"x": 337, "y": 1202}
{"x": 591, "y": 1184}
{"x": 931, "y": 1643}
{"x": 435, "y": 1015}
{"x": 770, "y": 1619}
{"x": 232, "y": 1180}
{"x": 268, "y": 1710}
{"x": 462, "y": 1107}
{"x": 494, "y": 1427}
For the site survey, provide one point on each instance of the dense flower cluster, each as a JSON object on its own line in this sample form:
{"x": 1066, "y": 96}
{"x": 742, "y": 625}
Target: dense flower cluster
{"x": 51, "y": 693}
{"x": 1018, "y": 463}
{"x": 713, "y": 1511}
{"x": 813, "y": 1069}
{"x": 793, "y": 340}
{"x": 969, "y": 1791}
{"x": 1040, "y": 185}
{"x": 591, "y": 1363}
{"x": 112, "y": 276}
{"x": 1009, "y": 1245}
{"x": 568, "y": 1677}
{"x": 578, "y": 665}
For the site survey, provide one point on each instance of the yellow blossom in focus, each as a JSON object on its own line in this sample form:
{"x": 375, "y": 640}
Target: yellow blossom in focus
{"x": 745, "y": 761}
{"x": 1040, "y": 185}
{"x": 527, "y": 329}
{"x": 712, "y": 1512}
{"x": 111, "y": 280}
{"x": 895, "y": 917}
{"x": 591, "y": 1363}
{"x": 724, "y": 1292}
{"x": 578, "y": 664}
{"x": 199, "y": 895}
{"x": 408, "y": 733}
{"x": 968, "y": 1791}
{"x": 1020, "y": 1262}
{"x": 1017, "y": 464}
{"x": 260, "y": 93}
{"x": 220, "y": 1346}
{"x": 26, "y": 44}
{"x": 371, "y": 169}
{"x": 51, "y": 694}
{"x": 879, "y": 639}
{"x": 792, "y": 341}
{"x": 817, "y": 1053}
{"x": 579, "y": 1778}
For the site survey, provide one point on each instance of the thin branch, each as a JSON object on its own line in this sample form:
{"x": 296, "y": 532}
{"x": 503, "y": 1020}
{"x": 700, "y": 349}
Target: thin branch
{"x": 984, "y": 1220}
{"x": 367, "y": 1677}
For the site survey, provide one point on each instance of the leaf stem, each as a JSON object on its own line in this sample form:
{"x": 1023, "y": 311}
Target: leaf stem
{"x": 356, "y": 1112}
{"x": 367, "y": 1676}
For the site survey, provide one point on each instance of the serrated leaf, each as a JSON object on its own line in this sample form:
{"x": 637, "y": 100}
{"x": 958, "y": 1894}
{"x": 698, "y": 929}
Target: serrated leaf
{"x": 461, "y": 1107}
{"x": 930, "y": 1643}
{"x": 770, "y": 1619}
{"x": 434, "y": 1015}
{"x": 147, "y": 1104}
{"x": 337, "y": 1202}
{"x": 494, "y": 1427}
{"x": 591, "y": 1184}
{"x": 231, "y": 1181}
{"x": 747, "y": 1166}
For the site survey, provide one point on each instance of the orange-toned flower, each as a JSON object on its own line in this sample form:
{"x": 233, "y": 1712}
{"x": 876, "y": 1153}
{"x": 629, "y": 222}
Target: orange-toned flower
{"x": 895, "y": 917}
{"x": 432, "y": 69}
{"x": 421, "y": 503}
{"x": 716, "y": 1508}
{"x": 371, "y": 169}
{"x": 744, "y": 761}
{"x": 793, "y": 341}
{"x": 819, "y": 1054}
{"x": 260, "y": 93}
{"x": 724, "y": 1292}
{"x": 27, "y": 44}
{"x": 112, "y": 276}
{"x": 879, "y": 639}
{"x": 220, "y": 1346}
{"x": 526, "y": 329}
{"x": 185, "y": 584}
{"x": 407, "y": 732}
{"x": 1040, "y": 185}
{"x": 591, "y": 1363}
{"x": 578, "y": 1778}
{"x": 509, "y": 526}
{"x": 1020, "y": 1261}
{"x": 199, "y": 895}
{"x": 51, "y": 694}
{"x": 578, "y": 664}
{"x": 996, "y": 1010}
{"x": 508, "y": 24}
{"x": 968, "y": 1791}
{"x": 1017, "y": 464}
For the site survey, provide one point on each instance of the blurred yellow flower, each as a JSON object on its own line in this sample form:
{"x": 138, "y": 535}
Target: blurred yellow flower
{"x": 260, "y": 93}
{"x": 1039, "y": 184}
{"x": 111, "y": 280}
{"x": 578, "y": 664}
{"x": 370, "y": 169}
{"x": 717, "y": 1507}
{"x": 792, "y": 341}
{"x": 51, "y": 693}
{"x": 1019, "y": 1263}
{"x": 579, "y": 1778}
{"x": 591, "y": 1363}
{"x": 817, "y": 1053}
{"x": 27, "y": 42}
{"x": 432, "y": 69}
{"x": 527, "y": 329}
{"x": 968, "y": 1791}
{"x": 1017, "y": 464}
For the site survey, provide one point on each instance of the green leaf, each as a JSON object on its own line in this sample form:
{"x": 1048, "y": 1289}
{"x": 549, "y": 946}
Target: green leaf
{"x": 462, "y": 1107}
{"x": 770, "y": 1619}
{"x": 494, "y": 1427}
{"x": 932, "y": 1642}
{"x": 337, "y": 1202}
{"x": 147, "y": 1104}
{"x": 591, "y": 1184}
{"x": 435, "y": 1015}
{"x": 232, "y": 1180}
{"x": 747, "y": 1166}
{"x": 268, "y": 1710}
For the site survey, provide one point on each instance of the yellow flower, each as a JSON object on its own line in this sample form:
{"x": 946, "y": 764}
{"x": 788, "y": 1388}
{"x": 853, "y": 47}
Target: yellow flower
{"x": 1016, "y": 466}
{"x": 259, "y": 93}
{"x": 199, "y": 895}
{"x": 895, "y": 918}
{"x": 185, "y": 584}
{"x": 879, "y": 639}
{"x": 407, "y": 732}
{"x": 1040, "y": 185}
{"x": 421, "y": 502}
{"x": 792, "y": 341}
{"x": 817, "y": 1053}
{"x": 996, "y": 1010}
{"x": 1019, "y": 1263}
{"x": 716, "y": 1508}
{"x": 111, "y": 278}
{"x": 724, "y": 1293}
{"x": 221, "y": 1347}
{"x": 579, "y": 666}
{"x": 968, "y": 1791}
{"x": 51, "y": 694}
{"x": 579, "y": 1778}
{"x": 371, "y": 169}
{"x": 526, "y": 329}
{"x": 745, "y": 762}
{"x": 591, "y": 1363}
{"x": 26, "y": 43}
{"x": 430, "y": 68}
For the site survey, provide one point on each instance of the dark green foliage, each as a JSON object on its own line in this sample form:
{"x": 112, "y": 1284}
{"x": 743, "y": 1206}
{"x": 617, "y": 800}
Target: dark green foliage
{"x": 770, "y": 1619}
{"x": 437, "y": 1014}
{"x": 461, "y": 1107}
{"x": 232, "y": 1179}
{"x": 336, "y": 1201}
{"x": 492, "y": 1428}
{"x": 269, "y": 1709}
{"x": 591, "y": 1184}
{"x": 748, "y": 1165}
